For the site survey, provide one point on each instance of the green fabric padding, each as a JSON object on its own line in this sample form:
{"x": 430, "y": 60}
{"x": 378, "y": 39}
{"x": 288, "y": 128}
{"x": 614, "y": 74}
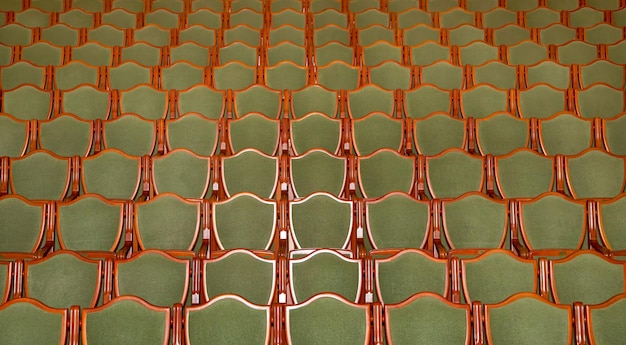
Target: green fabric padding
{"x": 27, "y": 103}
{"x": 398, "y": 221}
{"x": 66, "y": 136}
{"x": 385, "y": 172}
{"x": 333, "y": 51}
{"x": 498, "y": 74}
{"x": 325, "y": 272}
{"x": 240, "y": 274}
{"x": 391, "y": 76}
{"x": 428, "y": 320}
{"x": 93, "y": 54}
{"x": 111, "y": 175}
{"x": 21, "y": 73}
{"x": 327, "y": 321}
{"x": 466, "y": 32}
{"x": 408, "y": 274}
{"x": 74, "y": 74}
{"x": 595, "y": 174}
{"x": 549, "y": 72}
{"x": 612, "y": 223}
{"x": 144, "y": 101}
{"x": 553, "y": 222}
{"x": 25, "y": 323}
{"x": 330, "y": 16}
{"x": 368, "y": 13}
{"x": 477, "y": 53}
{"x": 286, "y": 76}
{"x": 167, "y": 223}
{"x": 437, "y": 133}
{"x": 287, "y": 51}
{"x": 120, "y": 19}
{"x": 525, "y": 174}
{"x": 106, "y": 34}
{"x": 321, "y": 222}
{"x": 250, "y": 172}
{"x": 15, "y": 34}
{"x": 314, "y": 98}
{"x": 600, "y": 101}
{"x": 154, "y": 277}
{"x": 202, "y": 100}
{"x": 338, "y": 76}
{"x": 193, "y": 132}
{"x": 33, "y": 18}
{"x": 287, "y": 33}
{"x": 376, "y": 132}
{"x": 234, "y": 75}
{"x": 87, "y": 102}
{"x": 482, "y": 101}
{"x": 565, "y": 134}
{"x": 453, "y": 17}
{"x": 5, "y": 279}
{"x": 43, "y": 53}
{"x": 331, "y": 33}
{"x": 412, "y": 17}
{"x": 577, "y": 52}
{"x": 90, "y": 224}
{"x": 244, "y": 34}
{"x": 196, "y": 54}
{"x": 162, "y": 18}
{"x": 418, "y": 34}
{"x": 557, "y": 34}
{"x": 528, "y": 53}
{"x": 475, "y": 221}
{"x": 128, "y": 74}
{"x": 494, "y": 277}
{"x": 617, "y": 52}
{"x": 528, "y": 321}
{"x": 374, "y": 33}
{"x": 254, "y": 131}
{"x": 607, "y": 324}
{"x": 542, "y": 17}
{"x": 238, "y": 51}
{"x": 248, "y": 17}
{"x": 142, "y": 53}
{"x": 541, "y": 101}
{"x": 377, "y": 53}
{"x": 244, "y": 222}
{"x": 126, "y": 322}
{"x": 502, "y": 134}
{"x": 21, "y": 225}
{"x": 614, "y": 130}
{"x": 206, "y": 17}
{"x": 228, "y": 321}
{"x": 317, "y": 171}
{"x": 425, "y": 100}
{"x": 182, "y": 173}
{"x": 315, "y": 131}
{"x": 320, "y": 5}
{"x": 443, "y": 75}
{"x": 453, "y": 174}
{"x": 77, "y": 18}
{"x": 154, "y": 35}
{"x": 63, "y": 35}
{"x": 510, "y": 35}
{"x": 62, "y": 281}
{"x": 13, "y": 135}
{"x": 40, "y": 176}
{"x": 587, "y": 278}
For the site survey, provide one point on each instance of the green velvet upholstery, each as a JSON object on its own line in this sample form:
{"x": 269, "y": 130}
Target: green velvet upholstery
{"x": 585, "y": 17}
{"x": 553, "y": 221}
{"x": 152, "y": 34}
{"x": 126, "y": 321}
{"x": 320, "y": 5}
{"x": 495, "y": 73}
{"x": 89, "y": 5}
{"x": 397, "y": 221}
{"x": 318, "y": 171}
{"x": 74, "y": 74}
{"x": 250, "y": 171}
{"x": 142, "y": 53}
{"x": 90, "y": 223}
{"x": 314, "y": 98}
{"x": 246, "y": 16}
{"x": 364, "y": 7}
{"x": 437, "y": 133}
{"x": 568, "y": 5}
{"x": 93, "y": 54}
{"x": 111, "y": 174}
{"x": 161, "y": 17}
{"x": 600, "y": 101}
{"x": 379, "y": 52}
{"x": 370, "y": 99}
{"x": 528, "y": 319}
{"x": 327, "y": 320}
{"x": 338, "y": 75}
{"x": 12, "y": 5}
{"x": 167, "y": 222}
{"x": 391, "y": 75}
{"x": 22, "y": 225}
{"x": 577, "y": 52}
{"x": 256, "y": 5}
{"x": 154, "y": 276}
{"x": 477, "y": 53}
{"x": 183, "y": 173}
{"x": 557, "y": 34}
{"x": 237, "y": 51}
{"x": 551, "y": 73}
{"x": 62, "y": 280}
{"x": 254, "y": 131}
{"x": 15, "y": 34}
{"x": 77, "y": 18}
{"x": 522, "y": 5}
{"x": 425, "y": 100}
{"x": 66, "y": 136}
{"x": 407, "y": 273}
{"x": 286, "y": 51}
{"x": 22, "y": 73}
{"x": 214, "y": 5}
{"x": 454, "y": 172}
{"x": 428, "y": 319}
{"x": 465, "y": 33}
{"x": 385, "y": 171}
{"x": 444, "y": 75}
{"x": 510, "y": 35}
{"x": 145, "y": 101}
{"x": 377, "y": 131}
{"x": 451, "y": 17}
{"x": 87, "y": 102}
{"x": 293, "y": 18}
{"x": 106, "y": 35}
{"x": 565, "y": 134}
{"x": 601, "y": 71}
{"x": 13, "y": 136}
{"x": 258, "y": 99}
{"x": 27, "y": 102}
{"x": 287, "y": 33}
{"x": 524, "y": 174}
{"x": 240, "y": 273}
{"x": 203, "y": 100}
{"x": 286, "y": 75}
{"x": 194, "y": 47}
{"x": 482, "y": 101}
{"x": 244, "y": 221}
{"x": 328, "y": 17}
{"x": 43, "y": 54}
{"x": 501, "y": 133}
{"x": 175, "y": 6}
{"x": 586, "y": 277}
{"x": 205, "y": 16}
{"x": 128, "y": 75}
{"x": 233, "y": 75}
{"x": 40, "y": 176}
{"x": 605, "y": 323}
{"x": 26, "y": 321}
{"x": 331, "y": 33}
{"x": 616, "y": 53}
{"x": 130, "y": 134}
{"x": 475, "y": 221}
{"x": 325, "y": 271}
{"x": 611, "y": 223}
{"x": 133, "y": 6}
{"x": 527, "y": 53}
{"x": 32, "y": 18}
{"x": 242, "y": 33}
{"x": 181, "y": 76}
{"x": 227, "y": 320}
{"x": 120, "y": 18}
{"x": 372, "y": 34}
{"x": 321, "y": 221}
{"x": 420, "y": 33}
{"x": 542, "y": 17}
{"x": 194, "y": 133}
{"x": 428, "y": 53}
{"x": 496, "y": 275}
{"x": 6, "y": 273}
{"x": 595, "y": 174}
{"x": 280, "y": 5}
{"x": 315, "y": 131}
{"x": 540, "y": 101}
{"x": 400, "y": 5}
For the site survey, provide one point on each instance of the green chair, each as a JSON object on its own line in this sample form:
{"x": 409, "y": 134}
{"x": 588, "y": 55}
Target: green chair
{"x": 318, "y": 170}
{"x": 338, "y": 75}
{"x": 146, "y": 101}
{"x": 511, "y": 34}
{"x": 12, "y": 5}
{"x": 523, "y": 174}
{"x": 192, "y": 132}
{"x": 391, "y": 75}
{"x": 202, "y": 100}
{"x": 400, "y": 5}
{"x": 374, "y": 33}
{"x": 87, "y": 102}
{"x": 379, "y": 52}
{"x": 613, "y": 140}
{"x": 594, "y": 174}
{"x": 599, "y": 100}
{"x": 206, "y": 17}
{"x": 557, "y": 34}
{"x": 254, "y": 131}
{"x": 14, "y": 136}
{"x": 585, "y": 17}
{"x": 443, "y": 75}
{"x": 143, "y": 53}
{"x": 152, "y": 34}
{"x": 453, "y": 173}
{"x": 362, "y": 6}
{"x": 183, "y": 173}
{"x": 290, "y": 17}
{"x": 576, "y": 52}
{"x": 258, "y": 99}
{"x": 541, "y": 101}
{"x": 542, "y": 17}
{"x": 6, "y": 280}
{"x": 369, "y": 99}
{"x": 237, "y": 51}
{"x": 182, "y": 76}
{"x": 33, "y": 18}
{"x": 214, "y": 5}
{"x": 88, "y": 5}
{"x": 548, "y": 72}
{"x": 481, "y": 101}
{"x": 501, "y": 133}
{"x": 420, "y": 33}
{"x": 370, "y": 16}
{"x": 42, "y": 175}
{"x": 287, "y": 52}
{"x": 249, "y": 171}
{"x": 131, "y": 134}
{"x": 234, "y": 75}
{"x": 565, "y": 134}
{"x": 74, "y": 74}
{"x": 176, "y": 6}
{"x": 425, "y": 100}
{"x": 44, "y": 53}
{"x": 287, "y": 76}
{"x": 464, "y": 34}
{"x": 28, "y": 102}
{"x": 162, "y": 17}
{"x": 332, "y": 52}
{"x": 315, "y": 99}
{"x": 134, "y": 6}
{"x": 497, "y": 17}
{"x": 601, "y": 71}
{"x": 438, "y": 132}
{"x": 526, "y": 53}
{"x": 242, "y": 33}
{"x": 66, "y": 136}
{"x": 603, "y": 34}
{"x": 331, "y": 33}
{"x": 603, "y": 321}
{"x": 16, "y": 34}
{"x": 330, "y": 16}
{"x": 120, "y": 18}
{"x": 321, "y": 5}
{"x": 377, "y": 131}
{"x": 567, "y": 5}
{"x": 23, "y": 227}
{"x": 477, "y": 53}
{"x": 195, "y": 51}
{"x": 45, "y": 325}
{"x": 385, "y": 171}
{"x": 94, "y": 54}
{"x": 22, "y": 73}
{"x": 316, "y": 131}
{"x": 616, "y": 52}
{"x": 279, "y": 5}
{"x": 247, "y": 16}
{"x": 495, "y": 73}
{"x": 112, "y": 174}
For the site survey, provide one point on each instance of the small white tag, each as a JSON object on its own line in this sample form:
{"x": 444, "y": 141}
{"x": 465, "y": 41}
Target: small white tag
{"x": 195, "y": 298}
{"x": 369, "y": 298}
{"x": 283, "y": 235}
{"x": 216, "y": 186}
{"x": 206, "y": 234}
{"x": 283, "y": 186}
{"x": 359, "y": 232}
{"x": 282, "y": 298}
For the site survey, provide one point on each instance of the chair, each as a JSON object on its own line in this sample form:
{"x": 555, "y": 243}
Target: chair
{"x": 213, "y": 5}
{"x": 325, "y": 271}
{"x": 244, "y": 221}
{"x": 76, "y": 73}
{"x": 143, "y": 53}
{"x": 443, "y": 75}
{"x": 330, "y": 17}
{"x": 176, "y": 6}
{"x": 44, "y": 53}
{"x": 41, "y": 175}
{"x": 541, "y": 101}
{"x": 502, "y": 133}
{"x": 120, "y": 18}
{"x": 362, "y": 6}
{"x": 76, "y": 280}
{"x": 370, "y": 99}
{"x": 333, "y": 52}
{"x": 420, "y": 33}
{"x": 87, "y": 102}
{"x": 511, "y": 34}
{"x": 576, "y": 52}
{"x": 61, "y": 35}
{"x": 375, "y": 33}
{"x": 198, "y": 34}
{"x": 279, "y": 5}
{"x": 379, "y": 52}
{"x": 594, "y": 173}
{"x": 239, "y": 52}
{"x": 565, "y": 134}
{"x": 33, "y": 18}
{"x": 16, "y": 34}
{"x": 317, "y": 6}
{"x": 548, "y": 72}
{"x": 526, "y": 53}
{"x": 131, "y": 134}
{"x": 242, "y": 33}
{"x": 66, "y": 136}
{"x": 192, "y": 132}
{"x": 557, "y": 34}
{"x": 396, "y": 221}
{"x": 369, "y": 17}
{"x": 206, "y": 17}
{"x": 451, "y": 16}
{"x": 87, "y": 5}
{"x": 192, "y": 52}
{"x": 246, "y": 16}
{"x": 28, "y": 102}
{"x": 477, "y": 53}
{"x": 93, "y": 54}
{"x": 23, "y": 73}
{"x": 568, "y": 5}
{"x": 600, "y": 71}
{"x": 496, "y": 275}
{"x": 482, "y": 101}
{"x": 604, "y": 278}
{"x": 338, "y": 75}
{"x": 258, "y": 99}
{"x": 134, "y": 6}
{"x": 304, "y": 321}
{"x": 183, "y": 173}
{"x": 145, "y": 101}
{"x": 242, "y": 273}
{"x": 316, "y": 131}
{"x": 550, "y": 225}
{"x": 377, "y": 131}
{"x": 471, "y": 224}
{"x": 78, "y": 18}
{"x": 161, "y": 17}
{"x": 287, "y": 76}
{"x": 202, "y": 100}
{"x": 585, "y": 17}
{"x": 290, "y": 17}
{"x": 129, "y": 74}
{"x": 315, "y": 99}
{"x": 321, "y": 220}
{"x": 464, "y": 34}
{"x": 318, "y": 170}
{"x": 15, "y": 136}
{"x": 183, "y": 75}
{"x": 249, "y": 171}
{"x": 391, "y": 75}
{"x": 428, "y": 318}
{"x": 152, "y": 34}
{"x": 234, "y": 75}
{"x": 113, "y": 174}
{"x": 24, "y": 228}
{"x": 13, "y": 5}
{"x": 287, "y": 52}
{"x": 616, "y": 52}
{"x": 603, "y": 34}
{"x": 453, "y": 173}
{"x": 332, "y": 33}
{"x": 219, "y": 321}
{"x": 524, "y": 174}
{"x": 119, "y": 320}
{"x": 254, "y": 131}
{"x": 92, "y": 226}
{"x": 603, "y": 321}
{"x": 495, "y": 73}
{"x": 438, "y": 132}
{"x": 599, "y": 100}
{"x": 542, "y": 17}
{"x": 613, "y": 141}
{"x": 400, "y": 5}
{"x": 536, "y": 319}
{"x": 428, "y": 99}
{"x": 44, "y": 322}
{"x": 385, "y": 171}
{"x": 618, "y": 18}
